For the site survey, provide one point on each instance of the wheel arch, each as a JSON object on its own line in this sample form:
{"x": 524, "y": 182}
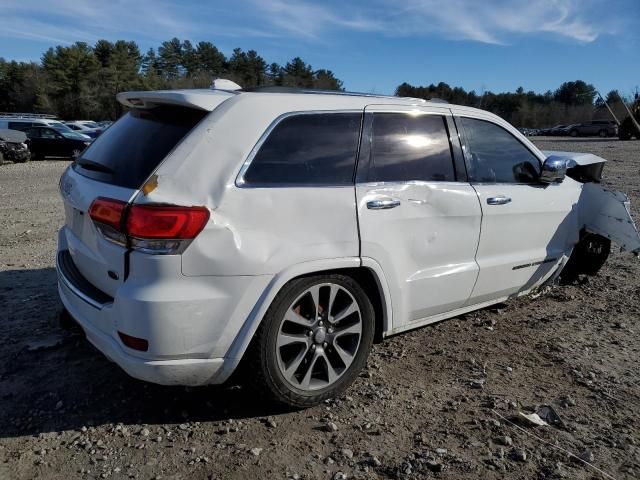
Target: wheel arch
{"x": 368, "y": 274}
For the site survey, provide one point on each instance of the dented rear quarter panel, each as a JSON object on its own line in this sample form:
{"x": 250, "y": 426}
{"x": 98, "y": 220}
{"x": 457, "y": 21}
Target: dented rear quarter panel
{"x": 253, "y": 231}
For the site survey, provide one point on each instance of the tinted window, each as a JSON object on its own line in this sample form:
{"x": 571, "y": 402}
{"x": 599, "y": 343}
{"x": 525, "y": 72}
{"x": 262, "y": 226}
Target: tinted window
{"x": 33, "y": 132}
{"x": 310, "y": 149}
{"x": 48, "y": 133}
{"x": 496, "y": 156}
{"x": 408, "y": 147}
{"x": 19, "y": 125}
{"x": 128, "y": 152}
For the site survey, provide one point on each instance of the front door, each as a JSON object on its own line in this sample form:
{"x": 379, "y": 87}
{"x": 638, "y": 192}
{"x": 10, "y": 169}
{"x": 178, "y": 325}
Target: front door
{"x": 419, "y": 218}
{"x": 526, "y": 225}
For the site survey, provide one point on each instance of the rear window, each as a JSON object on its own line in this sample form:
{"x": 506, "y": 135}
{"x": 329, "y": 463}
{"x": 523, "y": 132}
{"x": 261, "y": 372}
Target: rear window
{"x": 308, "y": 149}
{"x": 22, "y": 126}
{"x": 131, "y": 149}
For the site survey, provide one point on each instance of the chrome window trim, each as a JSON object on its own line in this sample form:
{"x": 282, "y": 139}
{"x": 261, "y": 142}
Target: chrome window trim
{"x": 399, "y": 183}
{"x": 240, "y": 181}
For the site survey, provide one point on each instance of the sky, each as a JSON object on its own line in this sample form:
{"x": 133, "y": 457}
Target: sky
{"x": 372, "y": 46}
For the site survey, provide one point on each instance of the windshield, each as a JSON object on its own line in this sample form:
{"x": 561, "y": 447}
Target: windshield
{"x": 73, "y": 135}
{"x": 91, "y": 124}
{"x": 61, "y": 127}
{"x": 131, "y": 149}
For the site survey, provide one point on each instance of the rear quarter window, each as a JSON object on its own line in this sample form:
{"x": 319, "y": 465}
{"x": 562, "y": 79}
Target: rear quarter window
{"x": 132, "y": 148}
{"x": 307, "y": 149}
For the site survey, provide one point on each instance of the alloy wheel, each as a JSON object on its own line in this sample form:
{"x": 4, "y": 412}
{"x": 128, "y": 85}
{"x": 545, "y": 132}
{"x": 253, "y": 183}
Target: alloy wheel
{"x": 319, "y": 337}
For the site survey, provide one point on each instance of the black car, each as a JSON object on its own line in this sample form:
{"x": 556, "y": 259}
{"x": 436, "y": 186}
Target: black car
{"x": 49, "y": 142}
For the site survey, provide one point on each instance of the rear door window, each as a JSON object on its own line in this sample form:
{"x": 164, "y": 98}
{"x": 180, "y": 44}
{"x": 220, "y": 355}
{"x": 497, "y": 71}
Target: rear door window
{"x": 307, "y": 149}
{"x": 407, "y": 147}
{"x": 128, "y": 152}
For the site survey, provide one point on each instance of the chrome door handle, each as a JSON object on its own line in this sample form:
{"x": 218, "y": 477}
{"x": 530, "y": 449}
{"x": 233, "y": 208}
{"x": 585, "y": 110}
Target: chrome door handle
{"x": 383, "y": 204}
{"x": 501, "y": 200}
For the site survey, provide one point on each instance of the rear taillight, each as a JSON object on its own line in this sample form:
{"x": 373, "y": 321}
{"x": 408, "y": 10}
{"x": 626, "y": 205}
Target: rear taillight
{"x": 108, "y": 215}
{"x": 107, "y": 211}
{"x": 159, "y": 229}
{"x": 179, "y": 223}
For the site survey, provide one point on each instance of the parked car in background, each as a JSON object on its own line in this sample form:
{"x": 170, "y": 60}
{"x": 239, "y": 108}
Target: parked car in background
{"x": 601, "y": 128}
{"x": 557, "y": 131}
{"x": 86, "y": 127}
{"x": 104, "y": 124}
{"x": 13, "y": 146}
{"x": 62, "y": 128}
{"x": 179, "y": 268}
{"x": 50, "y": 142}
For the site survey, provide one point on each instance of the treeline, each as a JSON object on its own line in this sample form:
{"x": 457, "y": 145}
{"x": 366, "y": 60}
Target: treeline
{"x": 572, "y": 102}
{"x": 80, "y": 81}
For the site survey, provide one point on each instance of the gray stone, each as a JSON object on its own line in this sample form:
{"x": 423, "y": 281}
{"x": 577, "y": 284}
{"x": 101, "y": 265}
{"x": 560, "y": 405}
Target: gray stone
{"x": 347, "y": 453}
{"x": 519, "y": 455}
{"x": 506, "y": 441}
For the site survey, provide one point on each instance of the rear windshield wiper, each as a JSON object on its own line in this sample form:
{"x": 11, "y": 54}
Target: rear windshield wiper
{"x": 95, "y": 166}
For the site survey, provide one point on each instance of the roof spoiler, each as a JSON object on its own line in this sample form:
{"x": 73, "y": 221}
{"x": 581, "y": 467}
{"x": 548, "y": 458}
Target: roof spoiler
{"x": 199, "y": 99}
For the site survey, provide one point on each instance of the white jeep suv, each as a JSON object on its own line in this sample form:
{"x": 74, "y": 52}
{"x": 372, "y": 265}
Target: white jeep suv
{"x": 290, "y": 230}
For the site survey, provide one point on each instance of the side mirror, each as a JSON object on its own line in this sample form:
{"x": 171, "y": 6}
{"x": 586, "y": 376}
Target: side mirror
{"x": 554, "y": 169}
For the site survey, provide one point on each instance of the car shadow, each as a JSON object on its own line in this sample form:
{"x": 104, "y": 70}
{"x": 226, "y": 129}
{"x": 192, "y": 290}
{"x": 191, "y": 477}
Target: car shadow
{"x": 53, "y": 379}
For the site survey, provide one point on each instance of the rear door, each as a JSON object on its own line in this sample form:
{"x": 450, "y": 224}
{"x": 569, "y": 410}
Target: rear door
{"x": 115, "y": 166}
{"x": 419, "y": 218}
{"x": 526, "y": 225}
{"x": 35, "y": 142}
{"x": 52, "y": 142}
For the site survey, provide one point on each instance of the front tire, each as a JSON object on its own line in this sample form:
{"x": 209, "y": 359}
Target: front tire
{"x": 313, "y": 341}
{"x": 587, "y": 258}
{"x": 573, "y": 133}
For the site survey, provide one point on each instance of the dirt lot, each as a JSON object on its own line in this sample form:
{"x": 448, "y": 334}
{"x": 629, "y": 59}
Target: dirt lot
{"x": 432, "y": 403}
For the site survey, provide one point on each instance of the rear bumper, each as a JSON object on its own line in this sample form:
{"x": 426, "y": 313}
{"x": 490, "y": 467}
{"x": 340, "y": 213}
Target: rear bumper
{"x": 189, "y": 323}
{"x": 187, "y": 371}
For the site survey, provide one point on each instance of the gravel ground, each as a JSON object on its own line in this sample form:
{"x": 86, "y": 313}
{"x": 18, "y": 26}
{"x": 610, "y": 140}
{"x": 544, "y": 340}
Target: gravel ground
{"x": 436, "y": 402}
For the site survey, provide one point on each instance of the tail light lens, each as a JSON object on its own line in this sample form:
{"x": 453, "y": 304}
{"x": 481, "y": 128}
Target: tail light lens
{"x": 107, "y": 212}
{"x": 180, "y": 223}
{"x": 158, "y": 229}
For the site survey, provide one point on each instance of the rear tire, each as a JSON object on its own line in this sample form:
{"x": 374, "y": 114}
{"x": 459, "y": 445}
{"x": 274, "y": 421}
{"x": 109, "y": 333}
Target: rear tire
{"x": 573, "y": 133}
{"x": 602, "y": 133}
{"x": 313, "y": 341}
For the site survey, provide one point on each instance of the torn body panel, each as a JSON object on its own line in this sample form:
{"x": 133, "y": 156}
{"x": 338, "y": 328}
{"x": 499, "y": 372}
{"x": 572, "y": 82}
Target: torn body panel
{"x": 584, "y": 167}
{"x": 608, "y": 214}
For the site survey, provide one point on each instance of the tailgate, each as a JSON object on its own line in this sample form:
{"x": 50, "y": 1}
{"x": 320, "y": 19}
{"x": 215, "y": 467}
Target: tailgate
{"x": 99, "y": 260}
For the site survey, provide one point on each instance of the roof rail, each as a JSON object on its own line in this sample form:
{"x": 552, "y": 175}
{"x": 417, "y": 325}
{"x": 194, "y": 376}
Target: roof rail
{"x": 26, "y": 115}
{"x": 275, "y": 89}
